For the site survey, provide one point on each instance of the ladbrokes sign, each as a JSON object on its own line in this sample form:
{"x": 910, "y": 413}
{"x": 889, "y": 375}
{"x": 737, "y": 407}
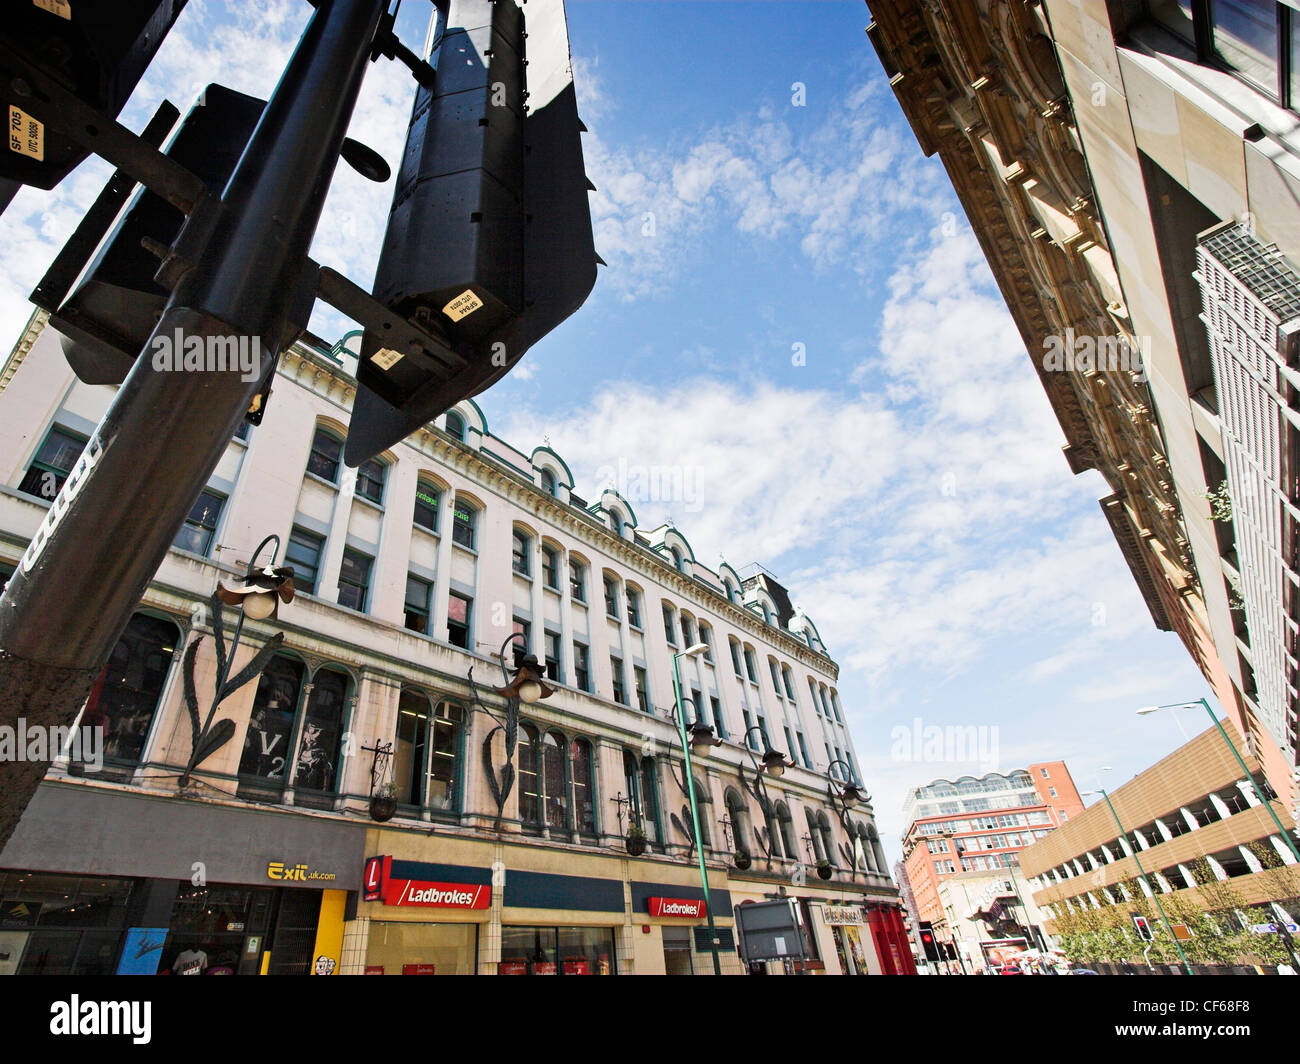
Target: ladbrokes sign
{"x": 382, "y": 885}
{"x": 681, "y": 907}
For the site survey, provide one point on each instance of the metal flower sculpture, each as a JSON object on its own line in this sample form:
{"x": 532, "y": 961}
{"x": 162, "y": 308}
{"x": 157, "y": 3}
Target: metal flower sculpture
{"x": 258, "y": 596}
{"x": 848, "y": 797}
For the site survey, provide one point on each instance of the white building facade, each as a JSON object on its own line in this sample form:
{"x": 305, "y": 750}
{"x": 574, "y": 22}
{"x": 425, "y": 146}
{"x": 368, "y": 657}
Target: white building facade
{"x": 409, "y": 572}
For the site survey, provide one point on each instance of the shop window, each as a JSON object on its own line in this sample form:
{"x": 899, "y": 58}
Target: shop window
{"x": 320, "y": 747}
{"x": 52, "y": 464}
{"x": 640, "y": 788}
{"x": 427, "y": 500}
{"x": 263, "y": 762}
{"x": 427, "y": 753}
{"x": 557, "y": 951}
{"x": 418, "y": 596}
{"x": 529, "y": 778}
{"x": 304, "y": 554}
{"x": 125, "y": 698}
{"x": 555, "y": 783}
{"x": 463, "y": 521}
{"x": 459, "y": 611}
{"x": 200, "y": 526}
{"x": 326, "y": 455}
{"x": 584, "y": 806}
{"x": 62, "y": 924}
{"x": 398, "y": 947}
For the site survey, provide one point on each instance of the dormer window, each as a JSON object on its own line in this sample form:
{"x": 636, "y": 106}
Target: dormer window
{"x": 548, "y": 483}
{"x": 455, "y": 426}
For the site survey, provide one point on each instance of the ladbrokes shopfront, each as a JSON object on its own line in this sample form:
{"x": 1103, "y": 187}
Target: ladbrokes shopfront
{"x": 121, "y": 883}
{"x": 514, "y": 909}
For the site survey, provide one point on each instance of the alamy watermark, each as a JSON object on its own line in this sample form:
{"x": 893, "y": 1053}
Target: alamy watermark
{"x": 656, "y": 483}
{"x": 1085, "y": 354}
{"x": 179, "y": 353}
{"x": 952, "y": 743}
{"x": 38, "y": 742}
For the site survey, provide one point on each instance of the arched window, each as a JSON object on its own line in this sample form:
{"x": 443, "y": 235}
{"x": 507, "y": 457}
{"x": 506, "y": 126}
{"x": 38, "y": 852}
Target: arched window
{"x": 455, "y": 426}
{"x": 678, "y": 564}
{"x": 584, "y": 807}
{"x": 616, "y": 523}
{"x": 772, "y": 821}
{"x": 326, "y": 455}
{"x": 555, "y": 781}
{"x": 464, "y": 518}
{"x": 264, "y": 761}
{"x": 125, "y": 697}
{"x": 738, "y": 813}
{"x": 426, "y": 756}
{"x": 548, "y": 483}
{"x": 317, "y": 765}
{"x": 818, "y": 849}
{"x": 370, "y": 480}
{"x": 640, "y": 786}
{"x": 704, "y": 804}
{"x": 827, "y": 836}
{"x": 520, "y": 553}
{"x": 785, "y": 822}
{"x": 427, "y": 500}
{"x": 529, "y": 782}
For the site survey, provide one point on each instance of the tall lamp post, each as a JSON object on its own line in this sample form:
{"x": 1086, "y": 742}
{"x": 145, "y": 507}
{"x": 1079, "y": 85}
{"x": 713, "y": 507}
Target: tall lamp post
{"x": 1290, "y": 841}
{"x": 701, "y": 739}
{"x": 1151, "y": 890}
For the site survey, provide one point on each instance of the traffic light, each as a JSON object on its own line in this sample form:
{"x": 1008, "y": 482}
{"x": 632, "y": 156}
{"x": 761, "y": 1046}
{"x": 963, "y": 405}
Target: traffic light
{"x": 95, "y": 50}
{"x": 107, "y": 320}
{"x": 489, "y": 243}
{"x": 1142, "y": 926}
{"x": 928, "y": 943}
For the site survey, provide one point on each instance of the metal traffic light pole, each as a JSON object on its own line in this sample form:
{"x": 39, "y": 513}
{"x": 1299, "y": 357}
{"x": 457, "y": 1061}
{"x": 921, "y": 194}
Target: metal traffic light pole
{"x": 110, "y": 527}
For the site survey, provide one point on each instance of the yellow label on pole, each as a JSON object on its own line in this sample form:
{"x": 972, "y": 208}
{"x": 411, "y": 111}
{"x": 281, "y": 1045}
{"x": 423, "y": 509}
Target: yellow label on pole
{"x": 462, "y": 306}
{"x": 62, "y": 8}
{"x": 386, "y": 358}
{"x": 26, "y": 135}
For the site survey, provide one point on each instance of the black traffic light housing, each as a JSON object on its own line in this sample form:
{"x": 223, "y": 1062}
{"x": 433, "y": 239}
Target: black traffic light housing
{"x": 106, "y": 321}
{"x": 95, "y": 49}
{"x": 489, "y": 243}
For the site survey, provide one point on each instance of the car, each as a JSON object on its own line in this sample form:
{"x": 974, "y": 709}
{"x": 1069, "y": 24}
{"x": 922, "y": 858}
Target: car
{"x": 1083, "y": 971}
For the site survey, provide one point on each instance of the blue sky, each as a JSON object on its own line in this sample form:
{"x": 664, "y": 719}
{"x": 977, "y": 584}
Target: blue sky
{"x": 904, "y": 479}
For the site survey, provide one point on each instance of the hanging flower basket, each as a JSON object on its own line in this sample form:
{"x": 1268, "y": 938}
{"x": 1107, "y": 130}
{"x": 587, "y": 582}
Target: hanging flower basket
{"x": 741, "y": 860}
{"x": 824, "y": 870}
{"x": 635, "y": 842}
{"x": 383, "y": 804}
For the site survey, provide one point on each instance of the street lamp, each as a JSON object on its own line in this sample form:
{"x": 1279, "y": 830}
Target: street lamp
{"x": 528, "y": 684}
{"x": 849, "y": 794}
{"x": 1145, "y": 710}
{"x": 1154, "y": 896}
{"x": 258, "y": 596}
{"x": 700, "y": 743}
